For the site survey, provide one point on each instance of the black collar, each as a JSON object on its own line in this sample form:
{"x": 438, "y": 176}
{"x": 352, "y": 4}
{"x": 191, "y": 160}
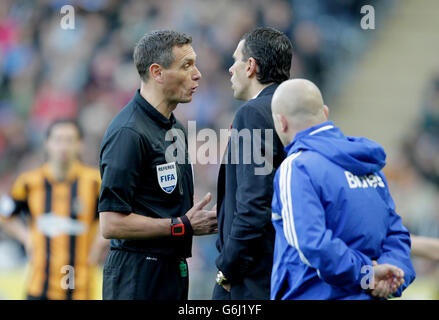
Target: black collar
{"x": 153, "y": 112}
{"x": 268, "y": 90}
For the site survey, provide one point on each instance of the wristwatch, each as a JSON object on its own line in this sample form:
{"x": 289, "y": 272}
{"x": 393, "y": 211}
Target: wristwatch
{"x": 220, "y": 278}
{"x": 177, "y": 227}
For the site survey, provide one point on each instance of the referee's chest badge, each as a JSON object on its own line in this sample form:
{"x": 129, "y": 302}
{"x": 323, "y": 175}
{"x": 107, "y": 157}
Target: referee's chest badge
{"x": 167, "y": 176}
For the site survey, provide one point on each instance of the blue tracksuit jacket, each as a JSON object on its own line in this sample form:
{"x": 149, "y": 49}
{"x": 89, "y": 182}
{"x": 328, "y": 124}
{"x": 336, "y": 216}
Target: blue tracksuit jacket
{"x": 333, "y": 214}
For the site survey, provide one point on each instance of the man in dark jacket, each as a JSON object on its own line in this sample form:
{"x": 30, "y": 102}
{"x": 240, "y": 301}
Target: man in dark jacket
{"x": 245, "y": 183}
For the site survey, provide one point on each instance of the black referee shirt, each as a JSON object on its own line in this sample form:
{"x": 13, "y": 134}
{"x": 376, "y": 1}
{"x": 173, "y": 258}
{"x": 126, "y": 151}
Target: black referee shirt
{"x": 137, "y": 178}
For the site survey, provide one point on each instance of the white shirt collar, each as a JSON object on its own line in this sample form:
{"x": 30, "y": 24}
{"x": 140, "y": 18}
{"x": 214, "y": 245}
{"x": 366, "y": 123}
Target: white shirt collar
{"x": 257, "y": 94}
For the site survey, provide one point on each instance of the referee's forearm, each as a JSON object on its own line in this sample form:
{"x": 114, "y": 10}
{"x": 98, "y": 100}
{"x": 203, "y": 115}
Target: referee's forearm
{"x": 115, "y": 225}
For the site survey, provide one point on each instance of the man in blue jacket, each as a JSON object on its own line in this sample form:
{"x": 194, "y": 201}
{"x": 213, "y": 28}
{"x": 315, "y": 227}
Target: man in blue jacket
{"x": 245, "y": 242}
{"x": 337, "y": 233}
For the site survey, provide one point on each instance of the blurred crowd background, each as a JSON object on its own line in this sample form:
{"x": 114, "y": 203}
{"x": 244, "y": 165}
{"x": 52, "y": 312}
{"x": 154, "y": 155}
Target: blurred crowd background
{"x": 87, "y": 73}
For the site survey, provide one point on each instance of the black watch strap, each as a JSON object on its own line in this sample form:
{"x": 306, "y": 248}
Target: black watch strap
{"x": 187, "y": 225}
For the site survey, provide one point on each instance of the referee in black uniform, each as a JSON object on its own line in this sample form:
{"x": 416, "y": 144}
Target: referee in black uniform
{"x": 146, "y": 200}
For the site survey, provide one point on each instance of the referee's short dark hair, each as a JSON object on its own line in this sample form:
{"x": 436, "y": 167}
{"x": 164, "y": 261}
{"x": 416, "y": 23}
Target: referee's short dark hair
{"x": 156, "y": 47}
{"x": 272, "y": 51}
{"x": 65, "y": 121}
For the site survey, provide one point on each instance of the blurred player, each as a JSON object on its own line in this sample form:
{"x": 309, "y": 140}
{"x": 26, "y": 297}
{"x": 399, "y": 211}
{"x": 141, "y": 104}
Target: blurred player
{"x": 59, "y": 201}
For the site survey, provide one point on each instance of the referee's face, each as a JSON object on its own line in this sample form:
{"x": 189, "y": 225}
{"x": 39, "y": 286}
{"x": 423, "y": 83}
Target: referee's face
{"x": 180, "y": 80}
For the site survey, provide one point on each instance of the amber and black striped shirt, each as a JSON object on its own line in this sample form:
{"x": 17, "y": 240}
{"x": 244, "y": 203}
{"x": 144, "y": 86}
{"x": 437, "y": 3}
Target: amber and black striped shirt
{"x": 63, "y": 216}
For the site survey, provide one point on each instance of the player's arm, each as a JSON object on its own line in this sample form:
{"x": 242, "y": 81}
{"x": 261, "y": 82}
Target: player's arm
{"x": 100, "y": 245}
{"x": 98, "y": 248}
{"x": 10, "y": 208}
{"x": 15, "y": 228}
{"x": 253, "y": 196}
{"x": 425, "y": 247}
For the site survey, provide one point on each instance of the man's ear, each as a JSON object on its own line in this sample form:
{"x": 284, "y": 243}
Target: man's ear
{"x": 156, "y": 72}
{"x": 283, "y": 122}
{"x": 326, "y": 111}
{"x": 252, "y": 67}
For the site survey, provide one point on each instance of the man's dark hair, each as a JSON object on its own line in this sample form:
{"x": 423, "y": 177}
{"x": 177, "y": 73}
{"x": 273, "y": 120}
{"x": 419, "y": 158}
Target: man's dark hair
{"x": 272, "y": 51}
{"x": 64, "y": 121}
{"x": 156, "y": 47}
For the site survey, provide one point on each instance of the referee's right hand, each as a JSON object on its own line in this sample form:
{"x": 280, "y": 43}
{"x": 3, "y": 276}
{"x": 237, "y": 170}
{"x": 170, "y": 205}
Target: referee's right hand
{"x": 203, "y": 221}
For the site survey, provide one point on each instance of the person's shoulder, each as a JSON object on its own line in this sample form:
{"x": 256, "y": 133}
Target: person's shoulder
{"x": 262, "y": 101}
{"x": 124, "y": 119}
{"x": 254, "y": 105}
{"x": 257, "y": 107}
{"x": 123, "y": 124}
{"x": 305, "y": 160}
{"x": 254, "y": 111}
{"x": 32, "y": 174}
{"x": 29, "y": 178}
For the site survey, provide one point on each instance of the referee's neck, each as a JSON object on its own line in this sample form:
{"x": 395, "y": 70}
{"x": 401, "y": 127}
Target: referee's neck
{"x": 156, "y": 99}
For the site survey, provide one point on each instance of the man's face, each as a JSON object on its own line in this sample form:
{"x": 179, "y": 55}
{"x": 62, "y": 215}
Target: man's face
{"x": 63, "y": 144}
{"x": 239, "y": 79}
{"x": 180, "y": 80}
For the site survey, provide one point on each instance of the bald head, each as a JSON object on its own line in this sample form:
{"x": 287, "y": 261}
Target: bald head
{"x": 298, "y": 104}
{"x": 298, "y": 98}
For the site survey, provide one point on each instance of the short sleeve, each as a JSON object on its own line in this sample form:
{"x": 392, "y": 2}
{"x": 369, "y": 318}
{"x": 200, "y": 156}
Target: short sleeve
{"x": 18, "y": 191}
{"x": 120, "y": 164}
{"x": 16, "y": 202}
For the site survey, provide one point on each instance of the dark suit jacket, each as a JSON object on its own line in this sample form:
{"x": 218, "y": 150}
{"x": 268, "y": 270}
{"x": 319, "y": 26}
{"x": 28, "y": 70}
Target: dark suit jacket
{"x": 245, "y": 232}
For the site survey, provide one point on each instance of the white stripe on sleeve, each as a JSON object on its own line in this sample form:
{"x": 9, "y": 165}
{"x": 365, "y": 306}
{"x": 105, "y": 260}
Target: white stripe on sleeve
{"x": 287, "y": 207}
{"x": 284, "y": 173}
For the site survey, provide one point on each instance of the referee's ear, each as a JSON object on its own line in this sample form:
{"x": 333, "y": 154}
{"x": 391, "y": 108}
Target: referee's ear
{"x": 156, "y": 72}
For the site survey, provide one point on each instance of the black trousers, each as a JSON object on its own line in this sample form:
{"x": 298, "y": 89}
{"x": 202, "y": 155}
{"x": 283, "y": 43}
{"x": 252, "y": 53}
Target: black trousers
{"x": 141, "y": 276}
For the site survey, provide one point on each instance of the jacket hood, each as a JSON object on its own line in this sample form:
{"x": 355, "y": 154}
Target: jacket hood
{"x": 358, "y": 155}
